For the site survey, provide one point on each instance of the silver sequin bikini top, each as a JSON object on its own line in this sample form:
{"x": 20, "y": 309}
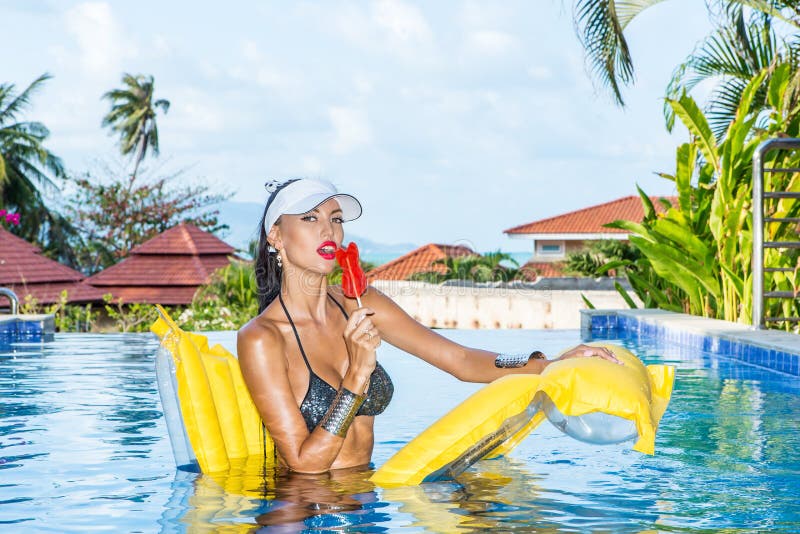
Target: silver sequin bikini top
{"x": 320, "y": 394}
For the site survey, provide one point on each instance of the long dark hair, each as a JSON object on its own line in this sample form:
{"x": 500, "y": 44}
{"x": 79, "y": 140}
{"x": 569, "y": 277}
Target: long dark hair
{"x": 268, "y": 274}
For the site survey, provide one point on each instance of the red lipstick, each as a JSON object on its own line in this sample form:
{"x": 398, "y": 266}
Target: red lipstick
{"x": 327, "y": 250}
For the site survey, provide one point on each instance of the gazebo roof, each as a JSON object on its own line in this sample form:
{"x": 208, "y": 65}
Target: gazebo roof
{"x": 27, "y": 272}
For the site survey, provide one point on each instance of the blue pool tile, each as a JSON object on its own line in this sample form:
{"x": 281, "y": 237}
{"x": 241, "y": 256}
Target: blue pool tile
{"x": 8, "y": 328}
{"x": 638, "y": 326}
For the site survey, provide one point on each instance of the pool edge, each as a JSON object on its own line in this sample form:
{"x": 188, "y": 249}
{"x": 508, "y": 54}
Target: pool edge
{"x": 772, "y": 349}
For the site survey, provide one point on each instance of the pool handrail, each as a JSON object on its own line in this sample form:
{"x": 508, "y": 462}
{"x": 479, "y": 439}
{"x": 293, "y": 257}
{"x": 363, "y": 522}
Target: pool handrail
{"x": 12, "y": 297}
{"x": 759, "y": 319}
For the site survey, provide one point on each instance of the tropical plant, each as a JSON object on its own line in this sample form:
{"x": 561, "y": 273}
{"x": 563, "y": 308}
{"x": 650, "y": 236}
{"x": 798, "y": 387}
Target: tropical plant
{"x": 28, "y": 167}
{"x": 128, "y": 317}
{"x": 731, "y": 56}
{"x": 476, "y": 268}
{"x": 601, "y": 25}
{"x": 227, "y": 302}
{"x": 703, "y": 245}
{"x": 133, "y": 117}
{"x": 590, "y": 262}
{"x": 67, "y": 317}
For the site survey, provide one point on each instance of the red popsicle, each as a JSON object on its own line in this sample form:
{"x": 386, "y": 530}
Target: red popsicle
{"x": 354, "y": 282}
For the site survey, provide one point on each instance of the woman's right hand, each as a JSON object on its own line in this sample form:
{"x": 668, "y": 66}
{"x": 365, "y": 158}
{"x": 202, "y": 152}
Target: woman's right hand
{"x": 362, "y": 339}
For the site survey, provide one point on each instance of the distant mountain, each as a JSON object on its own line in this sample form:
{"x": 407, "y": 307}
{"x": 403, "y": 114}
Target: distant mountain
{"x": 243, "y": 218}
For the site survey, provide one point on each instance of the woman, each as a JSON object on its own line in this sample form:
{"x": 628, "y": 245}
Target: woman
{"x": 308, "y": 358}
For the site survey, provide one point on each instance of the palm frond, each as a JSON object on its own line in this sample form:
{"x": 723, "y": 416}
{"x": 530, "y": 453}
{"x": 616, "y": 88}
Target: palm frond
{"x": 600, "y": 25}
{"x": 730, "y": 56}
{"x": 20, "y": 102}
{"x": 133, "y": 117}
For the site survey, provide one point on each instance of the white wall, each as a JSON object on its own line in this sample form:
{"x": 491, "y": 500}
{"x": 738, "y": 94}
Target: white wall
{"x": 494, "y": 307}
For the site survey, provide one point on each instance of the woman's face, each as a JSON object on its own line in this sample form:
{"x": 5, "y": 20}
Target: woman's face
{"x": 309, "y": 241}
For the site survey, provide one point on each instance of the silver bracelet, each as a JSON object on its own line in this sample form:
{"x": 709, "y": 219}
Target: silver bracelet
{"x": 342, "y": 412}
{"x": 504, "y": 361}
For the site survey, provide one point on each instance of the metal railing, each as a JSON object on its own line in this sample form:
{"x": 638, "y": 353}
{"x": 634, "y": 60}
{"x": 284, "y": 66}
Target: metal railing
{"x": 759, "y": 295}
{"x": 12, "y": 297}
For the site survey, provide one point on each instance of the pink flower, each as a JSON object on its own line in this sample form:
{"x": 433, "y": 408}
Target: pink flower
{"x": 13, "y": 218}
{"x": 2, "y": 213}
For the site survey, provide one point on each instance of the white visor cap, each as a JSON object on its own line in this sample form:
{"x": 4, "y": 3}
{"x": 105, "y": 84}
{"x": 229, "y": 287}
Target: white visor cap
{"x": 306, "y": 194}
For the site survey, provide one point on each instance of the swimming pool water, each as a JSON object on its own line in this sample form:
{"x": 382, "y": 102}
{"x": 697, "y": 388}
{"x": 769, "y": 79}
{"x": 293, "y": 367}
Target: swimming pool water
{"x": 83, "y": 447}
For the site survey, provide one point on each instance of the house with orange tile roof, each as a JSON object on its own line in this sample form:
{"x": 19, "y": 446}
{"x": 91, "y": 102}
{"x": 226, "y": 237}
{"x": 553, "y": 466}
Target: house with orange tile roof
{"x": 30, "y": 275}
{"x": 168, "y": 269}
{"x": 555, "y": 237}
{"x": 419, "y": 260}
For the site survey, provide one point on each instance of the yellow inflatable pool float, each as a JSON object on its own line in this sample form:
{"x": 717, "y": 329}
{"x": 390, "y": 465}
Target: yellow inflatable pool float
{"x": 590, "y": 399}
{"x": 212, "y": 421}
{"x": 214, "y": 426}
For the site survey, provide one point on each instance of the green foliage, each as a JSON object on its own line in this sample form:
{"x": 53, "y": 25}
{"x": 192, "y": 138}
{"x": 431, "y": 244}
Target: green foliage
{"x": 736, "y": 46}
{"x": 68, "y": 317}
{"x": 136, "y": 317}
{"x": 476, "y": 268}
{"x": 226, "y": 303}
{"x": 699, "y": 252}
{"x": 741, "y": 47}
{"x": 27, "y": 168}
{"x": 591, "y": 262}
{"x": 115, "y": 214}
{"x": 133, "y": 116}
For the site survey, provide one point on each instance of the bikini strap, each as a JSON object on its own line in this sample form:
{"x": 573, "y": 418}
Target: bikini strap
{"x": 296, "y": 335}
{"x": 340, "y": 306}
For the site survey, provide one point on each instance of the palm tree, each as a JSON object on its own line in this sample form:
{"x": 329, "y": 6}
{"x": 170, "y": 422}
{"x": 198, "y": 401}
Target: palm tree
{"x": 133, "y": 117}
{"x": 26, "y": 168}
{"x": 601, "y": 25}
{"x": 733, "y": 55}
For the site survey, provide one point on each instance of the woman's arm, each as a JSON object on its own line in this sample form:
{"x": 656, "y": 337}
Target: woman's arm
{"x": 264, "y": 367}
{"x": 465, "y": 363}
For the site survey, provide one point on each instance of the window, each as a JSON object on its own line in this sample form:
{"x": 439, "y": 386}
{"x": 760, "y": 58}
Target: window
{"x": 550, "y": 248}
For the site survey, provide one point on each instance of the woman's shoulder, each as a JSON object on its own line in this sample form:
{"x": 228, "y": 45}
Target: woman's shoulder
{"x": 262, "y": 334}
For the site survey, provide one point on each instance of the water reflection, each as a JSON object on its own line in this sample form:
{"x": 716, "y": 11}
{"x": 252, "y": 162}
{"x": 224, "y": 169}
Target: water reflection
{"x": 249, "y": 499}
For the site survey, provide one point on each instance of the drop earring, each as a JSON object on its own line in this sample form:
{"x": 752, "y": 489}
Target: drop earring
{"x": 280, "y": 261}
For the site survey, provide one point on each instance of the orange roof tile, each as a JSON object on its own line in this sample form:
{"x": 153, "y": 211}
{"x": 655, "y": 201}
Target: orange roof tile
{"x": 22, "y": 262}
{"x": 25, "y": 271}
{"x": 167, "y": 269}
{"x": 185, "y": 239}
{"x": 49, "y": 293}
{"x": 160, "y": 270}
{"x": 417, "y": 261}
{"x": 590, "y": 220}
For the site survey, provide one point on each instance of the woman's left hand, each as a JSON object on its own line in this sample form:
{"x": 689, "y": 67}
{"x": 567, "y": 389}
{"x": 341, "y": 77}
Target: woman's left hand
{"x": 582, "y": 351}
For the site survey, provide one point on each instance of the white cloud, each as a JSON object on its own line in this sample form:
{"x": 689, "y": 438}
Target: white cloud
{"x": 195, "y": 111}
{"x": 363, "y": 85}
{"x": 351, "y": 129}
{"x": 260, "y": 69}
{"x": 250, "y": 51}
{"x": 161, "y": 45}
{"x": 540, "y": 72}
{"x": 404, "y": 22}
{"x": 101, "y": 41}
{"x": 390, "y": 26}
{"x": 491, "y": 42}
{"x": 311, "y": 166}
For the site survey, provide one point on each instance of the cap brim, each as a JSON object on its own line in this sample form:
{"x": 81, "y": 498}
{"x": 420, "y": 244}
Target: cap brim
{"x": 351, "y": 207}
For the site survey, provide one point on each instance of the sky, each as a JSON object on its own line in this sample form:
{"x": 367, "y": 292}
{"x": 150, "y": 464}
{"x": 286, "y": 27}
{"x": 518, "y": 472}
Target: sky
{"x": 450, "y": 121}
